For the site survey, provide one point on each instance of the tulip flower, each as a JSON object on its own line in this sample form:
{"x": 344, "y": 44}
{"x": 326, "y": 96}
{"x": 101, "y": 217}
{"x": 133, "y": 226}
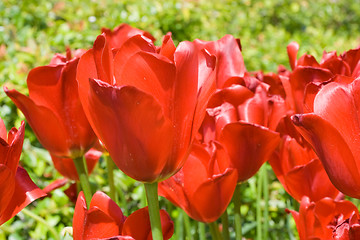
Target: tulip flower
{"x": 333, "y": 131}
{"x": 348, "y": 229}
{"x": 236, "y": 118}
{"x": 146, "y": 100}
{"x": 17, "y": 190}
{"x": 145, "y": 107}
{"x": 201, "y": 188}
{"x": 53, "y": 108}
{"x": 301, "y": 172}
{"x": 318, "y": 220}
{"x": 105, "y": 220}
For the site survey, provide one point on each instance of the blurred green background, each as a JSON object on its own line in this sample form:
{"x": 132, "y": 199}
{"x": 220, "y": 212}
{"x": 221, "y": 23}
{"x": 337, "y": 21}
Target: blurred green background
{"x": 31, "y": 31}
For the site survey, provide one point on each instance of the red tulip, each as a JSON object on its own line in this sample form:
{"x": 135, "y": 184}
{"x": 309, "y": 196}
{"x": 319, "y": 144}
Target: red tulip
{"x": 53, "y": 108}
{"x": 66, "y": 166}
{"x": 348, "y": 229}
{"x": 201, "y": 188}
{"x": 235, "y": 118}
{"x": 105, "y": 220}
{"x": 318, "y": 220}
{"x": 300, "y": 172}
{"x": 144, "y": 107}
{"x": 333, "y": 131}
{"x": 17, "y": 190}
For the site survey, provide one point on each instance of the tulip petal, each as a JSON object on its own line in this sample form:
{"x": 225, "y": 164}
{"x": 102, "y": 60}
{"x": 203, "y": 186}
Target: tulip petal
{"x": 126, "y": 51}
{"x": 10, "y": 152}
{"x": 152, "y": 74}
{"x": 292, "y": 51}
{"x": 339, "y": 104}
{"x": 137, "y": 126}
{"x": 47, "y": 127}
{"x": 220, "y": 190}
{"x": 249, "y": 146}
{"x": 25, "y": 192}
{"x": 333, "y": 151}
{"x": 3, "y": 132}
{"x": 79, "y": 217}
{"x": 314, "y": 182}
{"x": 137, "y": 225}
{"x": 108, "y": 206}
{"x": 7, "y": 188}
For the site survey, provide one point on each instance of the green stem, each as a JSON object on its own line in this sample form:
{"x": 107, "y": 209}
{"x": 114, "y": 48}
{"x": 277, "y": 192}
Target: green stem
{"x": 225, "y": 225}
{"x": 110, "y": 172}
{"x": 202, "y": 234}
{"x": 187, "y": 226}
{"x": 237, "y": 212}
{"x": 179, "y": 225}
{"x": 154, "y": 211}
{"x": 258, "y": 207}
{"x": 214, "y": 229}
{"x": 43, "y": 221}
{"x": 266, "y": 200}
{"x": 84, "y": 180}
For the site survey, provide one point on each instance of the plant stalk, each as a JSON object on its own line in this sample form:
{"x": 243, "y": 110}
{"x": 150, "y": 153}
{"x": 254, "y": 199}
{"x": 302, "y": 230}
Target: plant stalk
{"x": 154, "y": 211}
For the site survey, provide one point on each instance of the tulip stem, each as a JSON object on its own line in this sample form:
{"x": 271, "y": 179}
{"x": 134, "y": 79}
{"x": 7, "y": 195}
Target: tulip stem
{"x": 202, "y": 235}
{"x": 84, "y": 180}
{"x": 266, "y": 199}
{"x": 214, "y": 229}
{"x": 187, "y": 226}
{"x": 41, "y": 220}
{"x": 225, "y": 225}
{"x": 258, "y": 207}
{"x": 110, "y": 172}
{"x": 237, "y": 212}
{"x": 154, "y": 211}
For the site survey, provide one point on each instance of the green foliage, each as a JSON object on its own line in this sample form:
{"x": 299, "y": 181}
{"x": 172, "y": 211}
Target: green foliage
{"x": 31, "y": 31}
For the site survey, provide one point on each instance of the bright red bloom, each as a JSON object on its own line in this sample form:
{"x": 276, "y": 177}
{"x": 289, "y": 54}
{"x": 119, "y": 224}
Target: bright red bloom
{"x": 201, "y": 188}
{"x": 105, "y": 220}
{"x": 17, "y": 190}
{"x": 143, "y": 106}
{"x": 318, "y": 220}
{"x": 53, "y": 108}
{"x": 301, "y": 172}
{"x": 333, "y": 131}
{"x": 236, "y": 118}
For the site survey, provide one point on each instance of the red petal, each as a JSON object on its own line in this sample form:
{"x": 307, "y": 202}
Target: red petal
{"x": 48, "y": 128}
{"x": 25, "y": 192}
{"x": 10, "y": 152}
{"x": 108, "y": 206}
{"x": 314, "y": 182}
{"x": 213, "y": 196}
{"x": 292, "y": 50}
{"x": 168, "y": 47}
{"x": 333, "y": 151}
{"x": 249, "y": 146}
{"x": 80, "y": 217}
{"x": 121, "y": 33}
{"x": 128, "y": 49}
{"x": 7, "y": 188}
{"x": 3, "y": 132}
{"x": 138, "y": 226}
{"x": 300, "y": 77}
{"x": 131, "y": 125}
